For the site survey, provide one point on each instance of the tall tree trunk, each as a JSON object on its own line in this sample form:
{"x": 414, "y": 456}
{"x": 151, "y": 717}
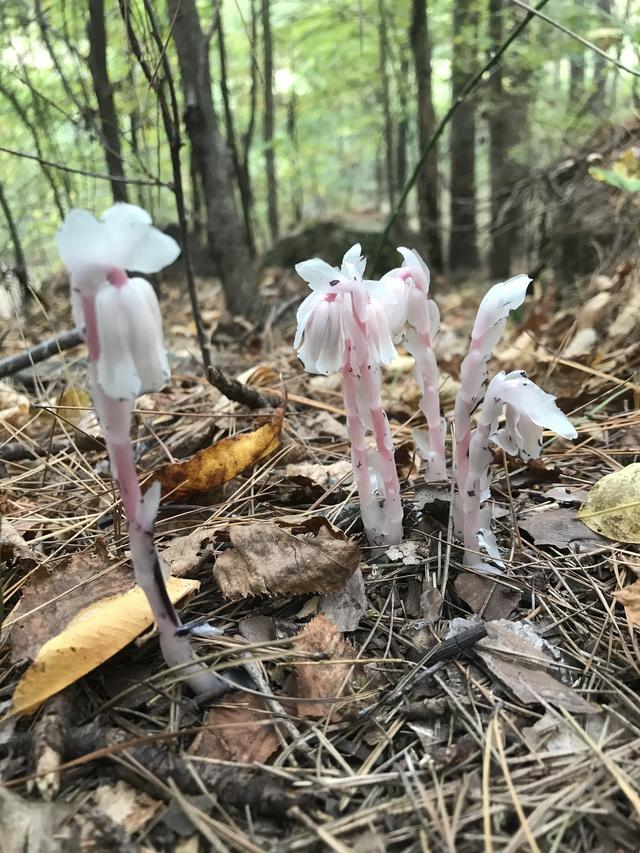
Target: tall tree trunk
{"x": 500, "y": 250}
{"x": 401, "y": 136}
{"x": 576, "y": 81}
{"x": 109, "y": 126}
{"x": 297, "y": 199}
{"x": 225, "y": 233}
{"x": 242, "y": 175}
{"x": 269, "y": 122}
{"x": 20, "y": 262}
{"x": 601, "y": 67}
{"x": 428, "y": 199}
{"x": 383, "y": 53}
{"x": 508, "y": 127}
{"x": 463, "y": 247}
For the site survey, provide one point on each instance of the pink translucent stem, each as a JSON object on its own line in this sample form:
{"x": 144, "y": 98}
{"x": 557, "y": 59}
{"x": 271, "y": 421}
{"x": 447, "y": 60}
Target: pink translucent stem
{"x": 427, "y": 369}
{"x": 115, "y": 419}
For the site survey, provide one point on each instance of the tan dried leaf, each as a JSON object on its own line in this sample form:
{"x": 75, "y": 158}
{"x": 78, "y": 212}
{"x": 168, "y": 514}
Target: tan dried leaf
{"x": 322, "y": 681}
{"x": 285, "y": 557}
{"x": 239, "y": 728}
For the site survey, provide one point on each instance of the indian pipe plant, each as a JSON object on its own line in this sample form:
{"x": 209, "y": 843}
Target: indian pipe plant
{"x": 119, "y": 318}
{"x": 351, "y": 324}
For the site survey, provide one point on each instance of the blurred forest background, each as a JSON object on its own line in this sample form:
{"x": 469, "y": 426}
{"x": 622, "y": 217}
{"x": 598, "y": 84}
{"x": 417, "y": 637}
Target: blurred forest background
{"x": 272, "y": 130}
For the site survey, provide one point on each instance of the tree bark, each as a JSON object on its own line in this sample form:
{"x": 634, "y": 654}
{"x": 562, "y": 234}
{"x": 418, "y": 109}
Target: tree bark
{"x": 241, "y": 173}
{"x": 601, "y": 67}
{"x": 401, "y": 136}
{"x": 109, "y": 125}
{"x": 225, "y": 233}
{"x": 269, "y": 122}
{"x": 383, "y": 54}
{"x": 463, "y": 247}
{"x": 427, "y": 183}
{"x": 508, "y": 127}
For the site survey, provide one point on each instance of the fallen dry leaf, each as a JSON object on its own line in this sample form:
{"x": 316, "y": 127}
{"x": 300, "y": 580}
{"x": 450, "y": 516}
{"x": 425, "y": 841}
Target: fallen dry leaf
{"x": 14, "y": 548}
{"x": 285, "y": 557}
{"x": 323, "y": 680}
{"x": 94, "y": 635}
{"x": 345, "y": 607}
{"x": 33, "y": 827}
{"x": 125, "y": 806}
{"x": 613, "y": 506}
{"x": 487, "y": 597}
{"x": 629, "y": 597}
{"x": 513, "y": 654}
{"x": 224, "y": 460}
{"x": 239, "y": 728}
{"x": 560, "y": 528}
{"x": 55, "y": 594}
{"x": 14, "y": 408}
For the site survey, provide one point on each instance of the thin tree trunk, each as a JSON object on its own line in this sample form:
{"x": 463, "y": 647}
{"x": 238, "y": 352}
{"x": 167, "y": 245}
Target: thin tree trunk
{"x": 20, "y": 267}
{"x": 383, "y": 53}
{"x": 35, "y": 135}
{"x": 576, "y": 81}
{"x": 242, "y": 176}
{"x": 109, "y": 125}
{"x": 508, "y": 126}
{"x": 463, "y": 248}
{"x": 401, "y": 136}
{"x": 297, "y": 199}
{"x": 500, "y": 250}
{"x": 247, "y": 137}
{"x": 225, "y": 233}
{"x": 427, "y": 183}
{"x": 601, "y": 67}
{"x": 269, "y": 122}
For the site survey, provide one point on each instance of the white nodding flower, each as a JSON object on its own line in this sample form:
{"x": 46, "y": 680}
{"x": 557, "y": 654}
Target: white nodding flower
{"x": 341, "y": 307}
{"x": 132, "y": 359}
{"x": 529, "y": 411}
{"x": 123, "y": 238}
{"x": 494, "y": 309}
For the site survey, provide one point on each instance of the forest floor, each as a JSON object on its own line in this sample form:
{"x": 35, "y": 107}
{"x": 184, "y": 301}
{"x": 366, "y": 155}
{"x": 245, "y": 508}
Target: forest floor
{"x": 365, "y": 729}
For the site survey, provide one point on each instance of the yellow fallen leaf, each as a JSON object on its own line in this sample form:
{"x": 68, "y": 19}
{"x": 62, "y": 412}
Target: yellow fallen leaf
{"x": 216, "y": 465}
{"x": 93, "y": 636}
{"x": 613, "y": 506}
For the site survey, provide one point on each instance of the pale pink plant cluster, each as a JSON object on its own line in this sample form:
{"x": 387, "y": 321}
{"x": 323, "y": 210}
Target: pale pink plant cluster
{"x": 120, "y": 320}
{"x": 351, "y": 324}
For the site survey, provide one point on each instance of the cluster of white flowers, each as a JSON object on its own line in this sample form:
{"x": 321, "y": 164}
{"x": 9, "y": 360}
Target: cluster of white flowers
{"x": 348, "y": 321}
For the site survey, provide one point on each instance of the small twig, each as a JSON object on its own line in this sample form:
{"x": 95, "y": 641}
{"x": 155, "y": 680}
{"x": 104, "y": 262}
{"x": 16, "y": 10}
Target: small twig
{"x": 237, "y": 391}
{"x": 39, "y": 352}
{"x": 441, "y": 654}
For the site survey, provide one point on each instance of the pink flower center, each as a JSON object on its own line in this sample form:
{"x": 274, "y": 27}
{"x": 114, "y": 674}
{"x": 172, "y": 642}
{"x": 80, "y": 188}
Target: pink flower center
{"x": 117, "y": 277}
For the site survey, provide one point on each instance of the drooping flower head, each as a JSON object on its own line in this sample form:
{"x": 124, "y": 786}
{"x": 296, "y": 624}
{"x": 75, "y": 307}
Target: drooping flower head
{"x": 342, "y": 307}
{"x": 118, "y": 316}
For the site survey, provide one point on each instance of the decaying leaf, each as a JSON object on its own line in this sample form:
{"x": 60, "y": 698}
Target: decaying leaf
{"x": 14, "y": 408}
{"x": 613, "y": 506}
{"x": 486, "y": 596}
{"x": 285, "y": 557}
{"x": 513, "y": 654}
{"x": 14, "y": 548}
{"x": 94, "y": 635}
{"x": 33, "y": 827}
{"x": 125, "y": 806}
{"x": 216, "y": 465}
{"x": 629, "y": 597}
{"x": 560, "y": 528}
{"x": 345, "y": 607}
{"x": 55, "y": 594}
{"x": 239, "y": 728}
{"x": 323, "y": 680}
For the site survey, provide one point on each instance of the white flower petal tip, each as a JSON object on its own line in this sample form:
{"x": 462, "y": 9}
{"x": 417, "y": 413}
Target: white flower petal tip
{"x": 123, "y": 238}
{"x": 414, "y": 262}
{"x": 132, "y": 357}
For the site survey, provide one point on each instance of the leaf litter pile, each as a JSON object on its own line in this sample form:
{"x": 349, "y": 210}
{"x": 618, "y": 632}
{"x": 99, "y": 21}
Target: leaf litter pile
{"x": 380, "y": 699}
